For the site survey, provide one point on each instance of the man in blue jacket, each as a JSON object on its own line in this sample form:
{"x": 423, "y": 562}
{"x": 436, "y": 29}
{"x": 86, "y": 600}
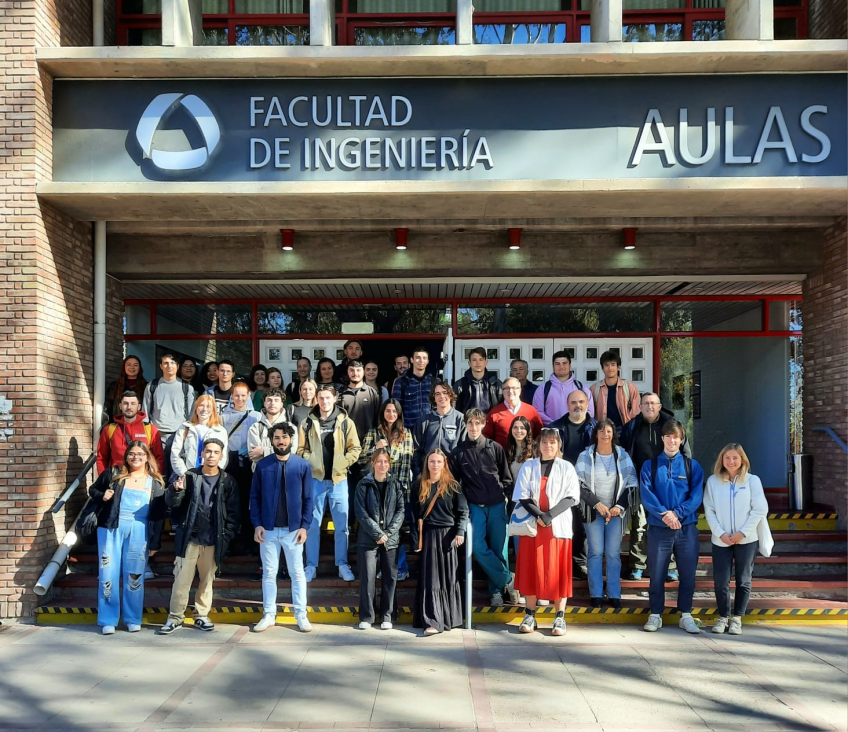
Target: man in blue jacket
{"x": 281, "y": 512}
{"x": 672, "y": 487}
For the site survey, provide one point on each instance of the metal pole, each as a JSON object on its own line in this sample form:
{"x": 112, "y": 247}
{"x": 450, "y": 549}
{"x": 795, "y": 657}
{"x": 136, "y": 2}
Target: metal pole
{"x": 97, "y": 24}
{"x": 99, "y": 365}
{"x": 469, "y": 575}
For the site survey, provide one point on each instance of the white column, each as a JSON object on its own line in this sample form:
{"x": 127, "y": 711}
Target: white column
{"x": 606, "y": 21}
{"x": 464, "y": 22}
{"x": 182, "y": 23}
{"x": 99, "y": 364}
{"x": 322, "y": 23}
{"x": 97, "y": 24}
{"x": 749, "y": 20}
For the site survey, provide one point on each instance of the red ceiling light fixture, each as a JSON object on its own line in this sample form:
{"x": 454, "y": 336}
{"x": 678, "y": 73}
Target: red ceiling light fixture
{"x": 515, "y": 238}
{"x": 288, "y": 239}
{"x": 630, "y": 237}
{"x": 401, "y": 236}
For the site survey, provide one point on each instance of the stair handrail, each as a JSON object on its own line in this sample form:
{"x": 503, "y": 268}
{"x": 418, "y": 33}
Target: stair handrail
{"x": 836, "y": 438}
{"x": 60, "y": 556}
{"x": 70, "y": 490}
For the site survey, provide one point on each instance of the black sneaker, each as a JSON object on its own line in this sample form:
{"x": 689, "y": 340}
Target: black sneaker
{"x": 170, "y": 626}
{"x": 596, "y": 601}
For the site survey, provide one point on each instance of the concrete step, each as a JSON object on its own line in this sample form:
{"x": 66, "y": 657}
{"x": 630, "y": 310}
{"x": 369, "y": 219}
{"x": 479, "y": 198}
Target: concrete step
{"x": 635, "y": 611}
{"x": 249, "y": 587}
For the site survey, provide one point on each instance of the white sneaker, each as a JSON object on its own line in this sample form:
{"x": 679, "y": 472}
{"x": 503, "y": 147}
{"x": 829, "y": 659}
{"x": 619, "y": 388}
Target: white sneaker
{"x": 496, "y": 600}
{"x": 108, "y": 630}
{"x": 510, "y": 593}
{"x": 403, "y": 576}
{"x": 735, "y": 627}
{"x": 265, "y": 622}
{"x": 364, "y": 626}
{"x": 654, "y": 623}
{"x": 310, "y": 573}
{"x": 133, "y": 627}
{"x": 386, "y": 625}
{"x": 543, "y": 602}
{"x": 304, "y": 625}
{"x": 346, "y": 573}
{"x": 720, "y": 625}
{"x": 559, "y": 627}
{"x": 431, "y": 631}
{"x": 687, "y": 623}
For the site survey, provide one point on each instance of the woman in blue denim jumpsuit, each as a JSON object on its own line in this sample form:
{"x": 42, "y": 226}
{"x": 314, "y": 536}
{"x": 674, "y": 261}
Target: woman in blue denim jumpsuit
{"x": 129, "y": 522}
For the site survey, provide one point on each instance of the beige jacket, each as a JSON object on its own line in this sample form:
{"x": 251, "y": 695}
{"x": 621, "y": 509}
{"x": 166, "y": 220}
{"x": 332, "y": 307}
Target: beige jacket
{"x": 626, "y": 395}
{"x": 346, "y": 445}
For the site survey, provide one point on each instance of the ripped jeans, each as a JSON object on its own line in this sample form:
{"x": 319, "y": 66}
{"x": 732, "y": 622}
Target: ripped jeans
{"x": 123, "y": 554}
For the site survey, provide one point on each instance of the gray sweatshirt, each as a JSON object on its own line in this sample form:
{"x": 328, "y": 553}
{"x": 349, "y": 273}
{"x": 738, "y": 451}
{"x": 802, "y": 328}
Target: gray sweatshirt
{"x": 170, "y": 407}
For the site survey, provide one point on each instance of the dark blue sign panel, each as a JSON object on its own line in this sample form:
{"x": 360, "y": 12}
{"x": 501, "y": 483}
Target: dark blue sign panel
{"x": 448, "y": 130}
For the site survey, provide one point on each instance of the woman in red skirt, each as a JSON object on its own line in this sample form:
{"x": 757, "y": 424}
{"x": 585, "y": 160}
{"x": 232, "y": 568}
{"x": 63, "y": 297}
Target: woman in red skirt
{"x": 547, "y": 487}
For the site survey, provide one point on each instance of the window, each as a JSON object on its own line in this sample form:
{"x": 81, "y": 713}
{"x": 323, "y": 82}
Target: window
{"x": 687, "y": 316}
{"x": 556, "y": 318}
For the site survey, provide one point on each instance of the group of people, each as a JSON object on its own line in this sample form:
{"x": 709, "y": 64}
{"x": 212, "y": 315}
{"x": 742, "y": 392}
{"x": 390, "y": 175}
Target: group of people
{"x": 564, "y": 467}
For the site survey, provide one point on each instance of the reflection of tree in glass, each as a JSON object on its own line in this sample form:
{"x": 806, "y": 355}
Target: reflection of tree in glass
{"x": 567, "y": 318}
{"x": 283, "y": 320}
{"x": 432, "y": 35}
{"x": 272, "y": 35}
{"x": 649, "y": 32}
{"x": 502, "y": 33}
{"x": 708, "y": 30}
{"x": 215, "y": 37}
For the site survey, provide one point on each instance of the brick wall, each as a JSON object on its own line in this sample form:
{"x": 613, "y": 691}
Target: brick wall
{"x": 828, "y": 19}
{"x": 45, "y": 307}
{"x": 825, "y": 312}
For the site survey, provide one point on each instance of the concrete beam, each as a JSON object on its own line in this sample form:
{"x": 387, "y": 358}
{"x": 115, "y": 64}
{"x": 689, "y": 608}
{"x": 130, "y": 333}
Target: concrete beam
{"x": 464, "y": 22}
{"x": 749, "y": 20}
{"x": 182, "y": 23}
{"x": 322, "y": 23}
{"x": 550, "y": 59}
{"x": 606, "y": 19}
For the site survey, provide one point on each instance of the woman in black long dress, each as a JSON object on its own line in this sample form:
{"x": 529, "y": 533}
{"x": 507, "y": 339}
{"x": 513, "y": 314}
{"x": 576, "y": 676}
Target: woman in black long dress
{"x": 440, "y": 516}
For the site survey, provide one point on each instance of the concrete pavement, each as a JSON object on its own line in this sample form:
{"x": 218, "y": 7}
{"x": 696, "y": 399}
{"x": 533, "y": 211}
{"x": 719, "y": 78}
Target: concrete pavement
{"x": 597, "y": 678}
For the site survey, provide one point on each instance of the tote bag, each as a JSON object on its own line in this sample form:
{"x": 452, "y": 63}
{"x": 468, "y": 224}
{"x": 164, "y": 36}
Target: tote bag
{"x": 521, "y": 523}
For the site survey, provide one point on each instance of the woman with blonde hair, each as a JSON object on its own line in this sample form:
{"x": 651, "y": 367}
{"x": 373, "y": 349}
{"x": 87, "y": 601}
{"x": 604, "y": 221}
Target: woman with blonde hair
{"x": 130, "y": 508}
{"x": 439, "y": 520}
{"x": 547, "y": 488}
{"x": 734, "y": 504}
{"x": 187, "y": 448}
{"x": 298, "y": 411}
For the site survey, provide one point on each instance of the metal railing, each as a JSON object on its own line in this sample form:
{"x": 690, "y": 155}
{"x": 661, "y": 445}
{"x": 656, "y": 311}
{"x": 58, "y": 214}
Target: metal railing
{"x": 71, "y": 537}
{"x": 469, "y": 575}
{"x": 836, "y": 438}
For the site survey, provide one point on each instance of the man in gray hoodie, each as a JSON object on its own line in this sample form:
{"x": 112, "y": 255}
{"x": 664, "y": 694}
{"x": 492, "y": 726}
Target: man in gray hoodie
{"x": 442, "y": 428}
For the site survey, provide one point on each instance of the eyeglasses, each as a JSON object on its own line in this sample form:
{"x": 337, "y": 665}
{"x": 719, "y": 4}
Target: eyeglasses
{"x": 512, "y": 388}
{"x": 136, "y": 455}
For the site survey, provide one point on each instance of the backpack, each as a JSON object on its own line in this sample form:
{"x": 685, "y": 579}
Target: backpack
{"x": 148, "y": 430}
{"x": 549, "y": 384}
{"x": 345, "y": 430}
{"x": 594, "y": 388}
{"x": 186, "y": 387}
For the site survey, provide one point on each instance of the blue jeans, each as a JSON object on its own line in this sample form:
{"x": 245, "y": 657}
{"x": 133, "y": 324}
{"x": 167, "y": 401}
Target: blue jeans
{"x": 604, "y": 540}
{"x": 662, "y": 543}
{"x": 123, "y": 554}
{"x": 489, "y": 524}
{"x": 269, "y": 552}
{"x": 324, "y": 492}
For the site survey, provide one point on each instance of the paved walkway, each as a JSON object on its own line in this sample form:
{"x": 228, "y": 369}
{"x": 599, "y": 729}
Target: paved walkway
{"x": 598, "y": 678}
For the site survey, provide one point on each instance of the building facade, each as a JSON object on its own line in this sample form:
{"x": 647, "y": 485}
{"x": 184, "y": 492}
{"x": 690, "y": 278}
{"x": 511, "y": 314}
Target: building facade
{"x": 254, "y": 168}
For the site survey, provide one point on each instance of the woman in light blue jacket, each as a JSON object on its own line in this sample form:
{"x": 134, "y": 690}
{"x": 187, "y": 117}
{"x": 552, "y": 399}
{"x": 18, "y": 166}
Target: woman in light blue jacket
{"x": 607, "y": 479}
{"x": 735, "y": 504}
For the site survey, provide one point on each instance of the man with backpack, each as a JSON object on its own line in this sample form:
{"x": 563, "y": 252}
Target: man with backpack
{"x": 258, "y": 435}
{"x": 551, "y": 399}
{"x": 329, "y": 443}
{"x": 128, "y": 426}
{"x": 481, "y": 467}
{"x": 672, "y": 486}
{"x": 168, "y": 401}
{"x": 615, "y": 398}
{"x": 478, "y": 388}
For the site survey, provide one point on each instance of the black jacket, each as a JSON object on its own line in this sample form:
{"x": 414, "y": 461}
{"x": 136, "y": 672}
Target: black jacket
{"x": 183, "y": 506}
{"x": 449, "y": 511}
{"x": 483, "y": 471}
{"x": 378, "y": 518}
{"x": 108, "y": 512}
{"x": 627, "y": 440}
{"x": 465, "y": 391}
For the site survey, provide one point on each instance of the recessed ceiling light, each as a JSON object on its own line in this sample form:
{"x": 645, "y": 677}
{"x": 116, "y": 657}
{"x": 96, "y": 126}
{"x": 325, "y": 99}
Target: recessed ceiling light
{"x": 397, "y": 292}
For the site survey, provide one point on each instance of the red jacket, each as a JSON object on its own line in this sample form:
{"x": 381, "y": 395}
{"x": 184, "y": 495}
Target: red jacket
{"x": 499, "y": 422}
{"x": 113, "y": 441}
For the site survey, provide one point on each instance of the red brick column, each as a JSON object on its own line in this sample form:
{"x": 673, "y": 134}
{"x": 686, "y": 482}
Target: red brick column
{"x": 825, "y": 312}
{"x": 45, "y": 307}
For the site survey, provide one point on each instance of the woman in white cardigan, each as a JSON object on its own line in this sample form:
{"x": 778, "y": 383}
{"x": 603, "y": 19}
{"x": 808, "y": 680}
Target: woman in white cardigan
{"x": 547, "y": 488}
{"x": 188, "y": 439}
{"x": 735, "y": 505}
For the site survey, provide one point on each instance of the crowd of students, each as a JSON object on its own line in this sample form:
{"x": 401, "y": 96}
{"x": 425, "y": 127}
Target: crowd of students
{"x": 253, "y": 465}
